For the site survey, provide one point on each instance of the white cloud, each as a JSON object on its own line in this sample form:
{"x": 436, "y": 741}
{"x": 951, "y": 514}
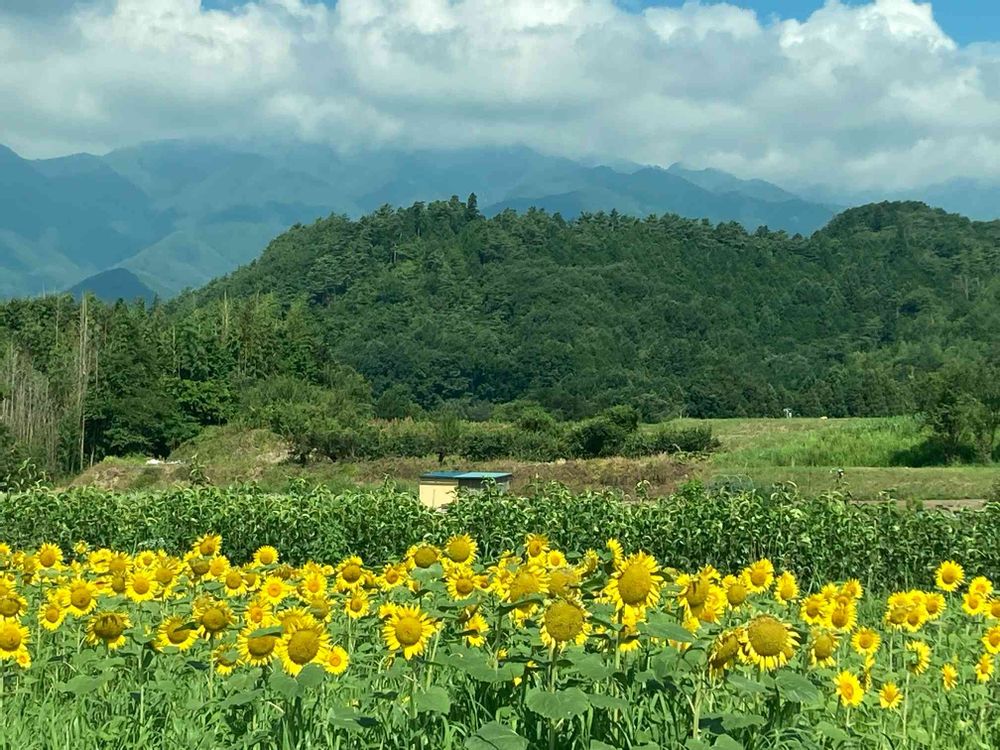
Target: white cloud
{"x": 864, "y": 96}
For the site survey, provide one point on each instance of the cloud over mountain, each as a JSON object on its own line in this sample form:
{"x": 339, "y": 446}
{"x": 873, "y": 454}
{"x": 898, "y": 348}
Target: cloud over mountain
{"x": 867, "y": 96}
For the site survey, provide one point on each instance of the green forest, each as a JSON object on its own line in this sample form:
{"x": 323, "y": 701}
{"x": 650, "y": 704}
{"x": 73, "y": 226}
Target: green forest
{"x": 437, "y": 313}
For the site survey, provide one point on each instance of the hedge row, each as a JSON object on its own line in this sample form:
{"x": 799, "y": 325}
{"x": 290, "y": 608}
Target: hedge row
{"x": 819, "y": 538}
{"x": 483, "y": 441}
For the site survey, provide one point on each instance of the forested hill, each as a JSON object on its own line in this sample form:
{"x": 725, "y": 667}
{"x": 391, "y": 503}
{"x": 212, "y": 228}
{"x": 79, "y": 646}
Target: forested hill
{"x": 666, "y": 313}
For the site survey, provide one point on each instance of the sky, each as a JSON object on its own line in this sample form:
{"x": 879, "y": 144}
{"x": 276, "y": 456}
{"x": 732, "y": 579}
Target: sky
{"x": 885, "y": 94}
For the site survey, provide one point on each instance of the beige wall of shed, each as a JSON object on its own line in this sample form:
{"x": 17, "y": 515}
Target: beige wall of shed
{"x": 437, "y": 492}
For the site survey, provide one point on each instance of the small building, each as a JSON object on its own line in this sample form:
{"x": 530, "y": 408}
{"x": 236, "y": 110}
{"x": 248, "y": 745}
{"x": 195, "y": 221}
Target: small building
{"x": 438, "y": 488}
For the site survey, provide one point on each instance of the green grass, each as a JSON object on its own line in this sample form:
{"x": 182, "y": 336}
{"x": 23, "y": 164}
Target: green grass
{"x": 880, "y": 441}
{"x": 873, "y": 453}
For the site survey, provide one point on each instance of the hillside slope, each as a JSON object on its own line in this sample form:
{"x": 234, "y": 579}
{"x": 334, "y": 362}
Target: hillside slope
{"x": 666, "y": 312}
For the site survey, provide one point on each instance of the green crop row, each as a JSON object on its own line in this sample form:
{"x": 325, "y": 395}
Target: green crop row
{"x": 819, "y": 538}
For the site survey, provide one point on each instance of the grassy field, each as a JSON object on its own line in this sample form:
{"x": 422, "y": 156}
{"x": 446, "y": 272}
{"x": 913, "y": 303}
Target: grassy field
{"x": 873, "y": 453}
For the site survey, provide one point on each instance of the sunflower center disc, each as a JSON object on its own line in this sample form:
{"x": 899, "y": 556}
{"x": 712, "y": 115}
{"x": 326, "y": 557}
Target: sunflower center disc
{"x": 635, "y": 584}
{"x": 767, "y": 636}
{"x": 303, "y": 646}
{"x": 408, "y": 631}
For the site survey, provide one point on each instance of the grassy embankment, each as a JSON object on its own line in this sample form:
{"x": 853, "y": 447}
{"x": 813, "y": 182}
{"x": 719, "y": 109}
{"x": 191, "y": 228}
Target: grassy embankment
{"x": 875, "y": 454}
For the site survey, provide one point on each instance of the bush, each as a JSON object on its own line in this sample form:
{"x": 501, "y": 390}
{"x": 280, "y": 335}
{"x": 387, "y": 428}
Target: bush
{"x": 670, "y": 440}
{"x": 596, "y": 437}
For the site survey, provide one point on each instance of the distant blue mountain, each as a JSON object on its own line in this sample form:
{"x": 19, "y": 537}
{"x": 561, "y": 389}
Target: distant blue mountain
{"x": 175, "y": 214}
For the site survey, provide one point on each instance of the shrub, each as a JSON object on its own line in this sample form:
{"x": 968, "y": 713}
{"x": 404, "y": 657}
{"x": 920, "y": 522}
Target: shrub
{"x": 670, "y": 440}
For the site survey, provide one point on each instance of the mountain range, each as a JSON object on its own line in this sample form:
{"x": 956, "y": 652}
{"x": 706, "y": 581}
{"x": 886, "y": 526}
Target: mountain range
{"x": 170, "y": 215}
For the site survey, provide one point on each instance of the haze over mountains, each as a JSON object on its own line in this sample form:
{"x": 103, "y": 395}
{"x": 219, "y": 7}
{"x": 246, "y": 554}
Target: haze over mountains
{"x": 169, "y": 215}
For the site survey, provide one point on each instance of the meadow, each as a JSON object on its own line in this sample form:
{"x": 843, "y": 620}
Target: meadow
{"x": 880, "y": 457}
{"x": 360, "y": 619}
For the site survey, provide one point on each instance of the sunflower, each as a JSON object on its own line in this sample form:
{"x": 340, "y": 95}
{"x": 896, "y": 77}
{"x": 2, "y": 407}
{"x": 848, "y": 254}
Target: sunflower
{"x": 140, "y": 586}
{"x": 166, "y": 571}
{"x": 422, "y": 556}
{"x": 108, "y": 628}
{"x": 304, "y": 643}
{"x": 760, "y": 575}
{"x": 822, "y": 648}
{"x": 852, "y": 589}
{"x": 49, "y": 556}
{"x": 207, "y": 545}
{"x": 617, "y": 553}
{"x": 564, "y": 582}
{"x": 335, "y": 660}
{"x": 257, "y": 612}
{"x": 866, "y": 641}
{"x": 197, "y": 566}
{"x": 737, "y": 589}
{"x": 843, "y": 617}
{"x": 993, "y": 609}
{"x": 474, "y": 630}
{"x": 319, "y": 607}
{"x": 233, "y": 583}
{"x": 991, "y": 640}
{"x": 460, "y": 549}
{"x": 786, "y": 588}
{"x": 849, "y": 689}
{"x": 555, "y": 559}
{"x": 949, "y": 677}
{"x": 392, "y": 576}
{"x": 635, "y": 584}
{"x": 52, "y": 614}
{"x": 564, "y": 622}
{"x": 145, "y": 559}
{"x": 724, "y": 652}
{"x": 528, "y": 582}
{"x": 12, "y": 605}
{"x": 357, "y": 605}
{"x": 973, "y": 604}
{"x": 889, "y": 697}
{"x": 949, "y": 575}
{"x": 212, "y": 615}
{"x": 768, "y": 642}
{"x": 14, "y": 639}
{"x": 257, "y": 649}
{"x": 217, "y": 567}
{"x": 695, "y": 590}
{"x": 915, "y": 618}
{"x": 251, "y": 579}
{"x": 225, "y": 657}
{"x": 982, "y": 586}
{"x": 588, "y": 563}
{"x": 174, "y": 633}
{"x": 275, "y": 590}
{"x": 921, "y": 656}
{"x": 408, "y": 629}
{"x": 984, "y": 668}
{"x": 535, "y": 546}
{"x": 82, "y": 597}
{"x": 934, "y": 605}
{"x": 312, "y": 584}
{"x": 265, "y": 556}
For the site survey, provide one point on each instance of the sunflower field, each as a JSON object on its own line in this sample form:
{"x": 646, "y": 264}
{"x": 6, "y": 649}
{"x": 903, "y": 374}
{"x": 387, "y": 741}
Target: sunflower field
{"x": 442, "y": 648}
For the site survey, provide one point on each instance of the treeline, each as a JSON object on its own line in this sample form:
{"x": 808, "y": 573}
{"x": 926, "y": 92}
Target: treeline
{"x": 434, "y": 313}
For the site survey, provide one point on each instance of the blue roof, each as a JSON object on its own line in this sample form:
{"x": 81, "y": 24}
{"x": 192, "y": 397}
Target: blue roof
{"x": 466, "y": 475}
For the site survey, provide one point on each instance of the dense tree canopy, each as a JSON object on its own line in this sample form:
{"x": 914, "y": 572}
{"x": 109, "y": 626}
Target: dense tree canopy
{"x": 435, "y": 305}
